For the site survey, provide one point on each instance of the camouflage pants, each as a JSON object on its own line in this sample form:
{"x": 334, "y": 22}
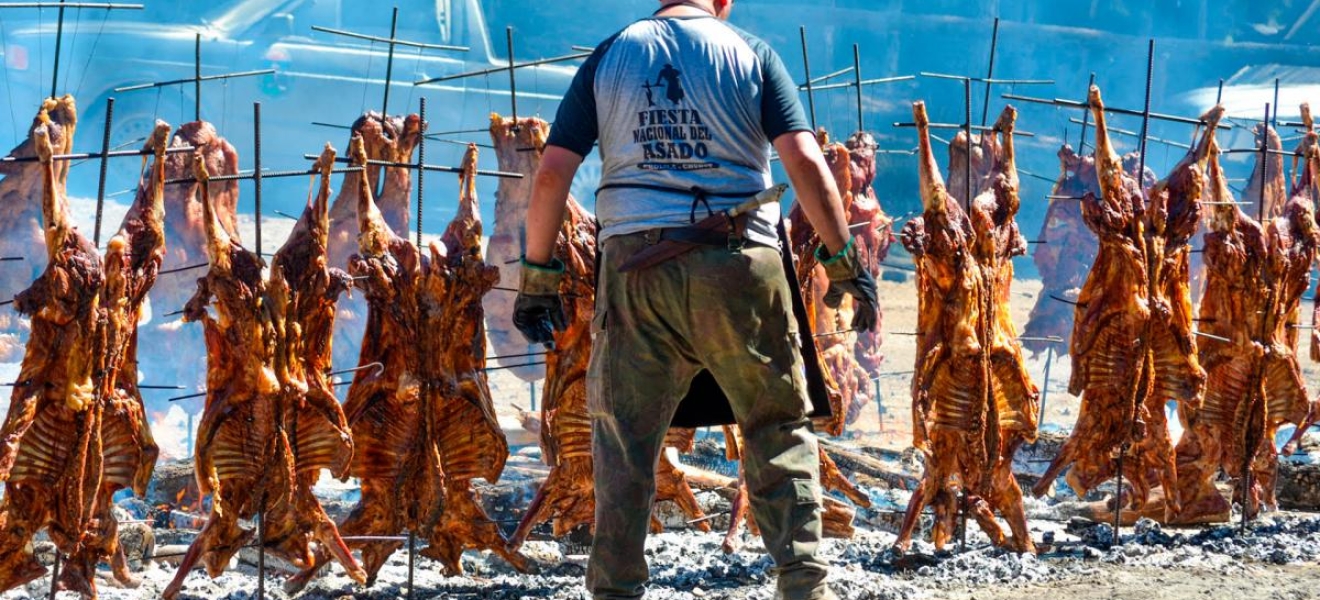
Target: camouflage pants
{"x": 654, "y": 330}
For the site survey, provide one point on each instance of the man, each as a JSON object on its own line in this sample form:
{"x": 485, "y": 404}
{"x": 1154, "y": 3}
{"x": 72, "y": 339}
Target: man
{"x": 724, "y": 307}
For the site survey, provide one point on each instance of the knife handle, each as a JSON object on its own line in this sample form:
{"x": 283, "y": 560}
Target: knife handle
{"x": 771, "y": 195}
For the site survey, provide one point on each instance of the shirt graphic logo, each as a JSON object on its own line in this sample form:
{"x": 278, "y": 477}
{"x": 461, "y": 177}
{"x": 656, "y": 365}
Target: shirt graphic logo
{"x": 673, "y": 138}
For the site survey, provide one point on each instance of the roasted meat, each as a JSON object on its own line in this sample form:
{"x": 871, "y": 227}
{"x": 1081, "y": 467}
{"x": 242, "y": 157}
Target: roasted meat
{"x": 1255, "y": 279}
{"x": 21, "y": 232}
{"x": 50, "y": 444}
{"x": 397, "y": 453}
{"x": 259, "y": 421}
{"x": 873, "y": 230}
{"x": 845, "y": 380}
{"x": 1065, "y": 255}
{"x": 1268, "y": 173}
{"x": 1138, "y": 286}
{"x": 453, "y": 372}
{"x": 973, "y": 403}
{"x": 567, "y": 495}
{"x": 133, "y": 257}
{"x": 178, "y": 352}
{"x": 514, "y": 143}
{"x": 393, "y": 139}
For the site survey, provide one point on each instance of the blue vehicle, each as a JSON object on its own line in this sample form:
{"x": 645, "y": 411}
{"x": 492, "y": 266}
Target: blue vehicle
{"x": 319, "y": 76}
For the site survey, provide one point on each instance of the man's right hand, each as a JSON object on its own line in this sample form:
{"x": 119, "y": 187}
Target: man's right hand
{"x": 848, "y": 276}
{"x": 538, "y": 312}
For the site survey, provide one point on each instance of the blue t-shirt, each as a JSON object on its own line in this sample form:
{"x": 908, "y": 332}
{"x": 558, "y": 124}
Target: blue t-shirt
{"x": 678, "y": 102}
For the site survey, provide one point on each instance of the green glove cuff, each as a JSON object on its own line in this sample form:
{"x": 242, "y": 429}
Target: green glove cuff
{"x": 842, "y": 266}
{"x": 541, "y": 280}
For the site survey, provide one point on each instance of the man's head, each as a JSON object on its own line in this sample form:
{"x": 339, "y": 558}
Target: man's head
{"x": 719, "y": 8}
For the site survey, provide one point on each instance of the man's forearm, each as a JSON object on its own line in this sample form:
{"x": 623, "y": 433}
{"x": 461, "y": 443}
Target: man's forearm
{"x": 815, "y": 188}
{"x": 545, "y": 214}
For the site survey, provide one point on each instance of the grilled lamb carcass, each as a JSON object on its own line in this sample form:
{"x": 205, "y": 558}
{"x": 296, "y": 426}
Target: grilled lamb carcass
{"x": 133, "y": 257}
{"x": 453, "y": 372}
{"x": 1065, "y": 257}
{"x": 1255, "y": 281}
{"x": 179, "y": 351}
{"x": 245, "y": 456}
{"x": 21, "y": 232}
{"x": 393, "y": 139}
{"x": 873, "y": 240}
{"x": 514, "y": 143}
{"x": 983, "y": 164}
{"x": 1139, "y": 284}
{"x": 973, "y": 403}
{"x": 845, "y": 380}
{"x": 397, "y": 455}
{"x": 567, "y": 495}
{"x": 50, "y": 457}
{"x": 1268, "y": 172}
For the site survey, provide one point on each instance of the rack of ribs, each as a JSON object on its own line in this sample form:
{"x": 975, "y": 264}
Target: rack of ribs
{"x": 1139, "y": 284}
{"x": 1255, "y": 280}
{"x": 453, "y": 373}
{"x": 1066, "y": 253}
{"x": 178, "y": 354}
{"x": 250, "y": 435}
{"x": 50, "y": 458}
{"x": 393, "y": 139}
{"x": 21, "y": 232}
{"x": 973, "y": 403}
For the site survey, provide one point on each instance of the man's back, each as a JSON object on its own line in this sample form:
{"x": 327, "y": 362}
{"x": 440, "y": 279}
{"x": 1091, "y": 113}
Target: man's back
{"x": 677, "y": 103}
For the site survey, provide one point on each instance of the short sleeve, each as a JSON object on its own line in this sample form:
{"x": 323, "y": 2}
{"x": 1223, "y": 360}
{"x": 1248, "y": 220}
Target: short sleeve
{"x": 781, "y": 112}
{"x": 576, "y": 128}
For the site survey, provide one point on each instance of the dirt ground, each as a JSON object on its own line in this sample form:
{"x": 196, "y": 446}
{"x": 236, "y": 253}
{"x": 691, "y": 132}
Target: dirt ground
{"x": 1113, "y": 582}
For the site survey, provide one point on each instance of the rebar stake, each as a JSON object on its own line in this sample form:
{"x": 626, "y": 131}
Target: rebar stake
{"x": 857, "y": 80}
{"x": 990, "y": 73}
{"x": 1086, "y": 119}
{"x": 197, "y": 78}
{"x": 513, "y": 80}
{"x": 261, "y": 549}
{"x": 967, "y": 130}
{"x": 806, "y": 68}
{"x": 389, "y": 68}
{"x": 55, "y": 569}
{"x": 412, "y": 561}
{"x": 421, "y": 173}
{"x": 100, "y": 186}
{"x": 55, "y": 74}
{"x": 256, "y": 171}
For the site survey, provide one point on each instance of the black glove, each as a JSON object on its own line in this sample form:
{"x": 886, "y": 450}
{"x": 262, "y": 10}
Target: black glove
{"x": 538, "y": 312}
{"x": 847, "y": 276}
